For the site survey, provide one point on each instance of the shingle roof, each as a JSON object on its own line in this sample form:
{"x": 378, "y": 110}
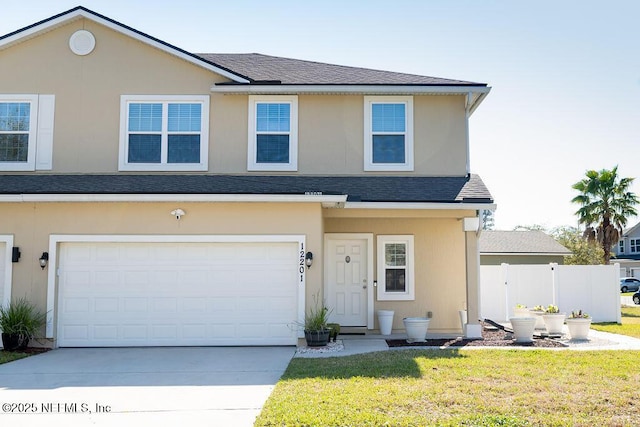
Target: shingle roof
{"x": 258, "y": 67}
{"x": 519, "y": 242}
{"x": 366, "y": 189}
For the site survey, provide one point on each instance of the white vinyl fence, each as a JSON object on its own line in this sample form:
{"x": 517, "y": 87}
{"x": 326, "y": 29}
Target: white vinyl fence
{"x": 591, "y": 288}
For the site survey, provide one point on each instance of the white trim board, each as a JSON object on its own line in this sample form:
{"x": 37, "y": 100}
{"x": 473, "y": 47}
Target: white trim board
{"x": 262, "y": 198}
{"x": 56, "y": 239}
{"x": 7, "y": 239}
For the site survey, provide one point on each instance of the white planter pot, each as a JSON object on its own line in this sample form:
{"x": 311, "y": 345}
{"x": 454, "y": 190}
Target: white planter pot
{"x": 416, "y": 328}
{"x": 385, "y": 319}
{"x": 523, "y": 328}
{"x": 554, "y": 322}
{"x": 579, "y": 328}
{"x": 521, "y": 312}
{"x": 463, "y": 318}
{"x": 539, "y": 320}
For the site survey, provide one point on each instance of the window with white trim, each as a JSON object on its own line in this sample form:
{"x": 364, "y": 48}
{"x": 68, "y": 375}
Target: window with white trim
{"x": 621, "y": 247}
{"x": 635, "y": 245}
{"x": 26, "y": 128}
{"x": 273, "y": 133}
{"x": 164, "y": 133}
{"x": 396, "y": 268}
{"x": 388, "y": 133}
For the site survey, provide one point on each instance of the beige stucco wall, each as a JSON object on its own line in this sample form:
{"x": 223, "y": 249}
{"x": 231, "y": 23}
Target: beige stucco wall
{"x": 439, "y": 245}
{"x": 520, "y": 259}
{"x": 87, "y": 109}
{"x": 31, "y": 225}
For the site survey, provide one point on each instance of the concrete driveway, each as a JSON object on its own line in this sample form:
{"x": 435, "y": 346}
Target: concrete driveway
{"x": 189, "y": 386}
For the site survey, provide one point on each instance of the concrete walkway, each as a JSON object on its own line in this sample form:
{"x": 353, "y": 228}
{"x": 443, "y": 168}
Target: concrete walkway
{"x": 190, "y": 386}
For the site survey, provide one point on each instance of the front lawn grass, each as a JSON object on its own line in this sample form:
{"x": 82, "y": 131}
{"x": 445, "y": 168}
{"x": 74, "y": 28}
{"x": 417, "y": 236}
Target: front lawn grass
{"x": 10, "y": 356}
{"x": 453, "y": 387}
{"x": 630, "y": 323}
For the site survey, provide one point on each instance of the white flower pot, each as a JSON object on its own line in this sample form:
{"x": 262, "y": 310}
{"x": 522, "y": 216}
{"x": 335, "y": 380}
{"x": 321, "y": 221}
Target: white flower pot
{"x": 523, "y": 328}
{"x": 385, "y": 319}
{"x": 554, "y": 322}
{"x": 579, "y": 328}
{"x": 463, "y": 318}
{"x": 539, "y": 320}
{"x": 521, "y": 312}
{"x": 416, "y": 328}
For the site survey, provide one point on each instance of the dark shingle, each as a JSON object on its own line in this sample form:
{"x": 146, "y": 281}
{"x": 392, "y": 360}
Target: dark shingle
{"x": 289, "y": 71}
{"x": 366, "y": 189}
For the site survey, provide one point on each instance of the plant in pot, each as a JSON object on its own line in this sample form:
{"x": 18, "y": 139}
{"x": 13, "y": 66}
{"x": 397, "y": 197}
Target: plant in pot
{"x": 523, "y": 323}
{"x": 538, "y": 312}
{"x": 521, "y": 310}
{"x": 316, "y": 329}
{"x": 19, "y": 322}
{"x": 579, "y": 324}
{"x": 553, "y": 320}
{"x": 335, "y": 331}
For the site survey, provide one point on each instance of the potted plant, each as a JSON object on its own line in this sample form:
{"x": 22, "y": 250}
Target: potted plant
{"x": 538, "y": 312}
{"x": 521, "y": 310}
{"x": 316, "y": 329}
{"x": 335, "y": 331}
{"x": 553, "y": 320}
{"x": 579, "y": 323}
{"x": 19, "y": 322}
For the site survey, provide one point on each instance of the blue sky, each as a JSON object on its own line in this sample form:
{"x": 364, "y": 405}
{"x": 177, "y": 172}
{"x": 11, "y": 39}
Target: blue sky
{"x": 565, "y": 75}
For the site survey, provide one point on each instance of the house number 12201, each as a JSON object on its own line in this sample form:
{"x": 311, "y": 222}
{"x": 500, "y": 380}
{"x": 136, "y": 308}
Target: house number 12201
{"x": 301, "y": 266}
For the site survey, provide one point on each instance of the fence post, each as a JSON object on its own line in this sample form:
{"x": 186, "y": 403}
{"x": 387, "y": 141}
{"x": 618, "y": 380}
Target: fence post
{"x": 505, "y": 280}
{"x": 554, "y": 284}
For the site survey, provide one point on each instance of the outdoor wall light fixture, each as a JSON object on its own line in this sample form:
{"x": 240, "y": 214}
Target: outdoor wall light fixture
{"x": 44, "y": 259}
{"x": 308, "y": 259}
{"x": 178, "y": 213}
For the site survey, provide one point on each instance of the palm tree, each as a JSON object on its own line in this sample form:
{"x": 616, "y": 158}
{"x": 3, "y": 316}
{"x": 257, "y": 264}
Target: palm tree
{"x": 606, "y": 203}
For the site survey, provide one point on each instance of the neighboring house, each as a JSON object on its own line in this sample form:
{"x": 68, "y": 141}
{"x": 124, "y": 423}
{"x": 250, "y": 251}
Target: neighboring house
{"x": 520, "y": 247}
{"x": 176, "y": 198}
{"x": 627, "y": 252}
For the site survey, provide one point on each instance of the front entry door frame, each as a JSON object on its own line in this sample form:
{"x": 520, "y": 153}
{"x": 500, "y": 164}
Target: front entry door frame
{"x": 370, "y": 270}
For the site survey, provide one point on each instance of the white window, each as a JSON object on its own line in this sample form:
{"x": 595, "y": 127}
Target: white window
{"x": 164, "y": 133}
{"x": 388, "y": 133}
{"x": 273, "y": 133}
{"x": 395, "y": 268}
{"x": 621, "y": 247}
{"x": 26, "y": 132}
{"x": 635, "y": 245}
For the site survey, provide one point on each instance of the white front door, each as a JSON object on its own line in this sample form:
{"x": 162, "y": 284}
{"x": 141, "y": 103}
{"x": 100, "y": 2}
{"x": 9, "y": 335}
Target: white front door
{"x": 347, "y": 281}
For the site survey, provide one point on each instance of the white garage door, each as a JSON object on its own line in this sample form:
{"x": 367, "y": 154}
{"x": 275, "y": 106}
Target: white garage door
{"x": 177, "y": 294}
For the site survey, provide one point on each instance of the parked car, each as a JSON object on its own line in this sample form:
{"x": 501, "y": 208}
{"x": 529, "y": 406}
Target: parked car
{"x": 629, "y": 284}
{"x": 636, "y": 298}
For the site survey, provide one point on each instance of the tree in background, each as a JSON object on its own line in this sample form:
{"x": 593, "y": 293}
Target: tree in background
{"x": 584, "y": 251}
{"x": 488, "y": 221}
{"x": 605, "y": 204}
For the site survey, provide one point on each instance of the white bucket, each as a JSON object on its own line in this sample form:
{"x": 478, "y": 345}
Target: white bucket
{"x": 416, "y": 328}
{"x": 385, "y": 319}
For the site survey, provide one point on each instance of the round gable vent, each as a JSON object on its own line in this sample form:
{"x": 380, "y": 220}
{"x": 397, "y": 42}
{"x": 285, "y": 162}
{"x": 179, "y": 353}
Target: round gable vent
{"x": 82, "y": 42}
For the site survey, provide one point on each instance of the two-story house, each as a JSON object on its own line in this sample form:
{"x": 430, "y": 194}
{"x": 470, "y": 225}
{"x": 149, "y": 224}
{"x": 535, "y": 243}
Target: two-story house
{"x": 153, "y": 196}
{"x": 627, "y": 252}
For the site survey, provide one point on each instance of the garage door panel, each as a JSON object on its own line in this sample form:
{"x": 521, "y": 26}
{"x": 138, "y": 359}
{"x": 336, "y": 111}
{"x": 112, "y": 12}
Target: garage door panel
{"x": 115, "y": 294}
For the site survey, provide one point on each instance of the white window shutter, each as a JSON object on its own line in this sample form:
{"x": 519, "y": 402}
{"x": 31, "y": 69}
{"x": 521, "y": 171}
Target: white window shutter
{"x": 44, "y": 138}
